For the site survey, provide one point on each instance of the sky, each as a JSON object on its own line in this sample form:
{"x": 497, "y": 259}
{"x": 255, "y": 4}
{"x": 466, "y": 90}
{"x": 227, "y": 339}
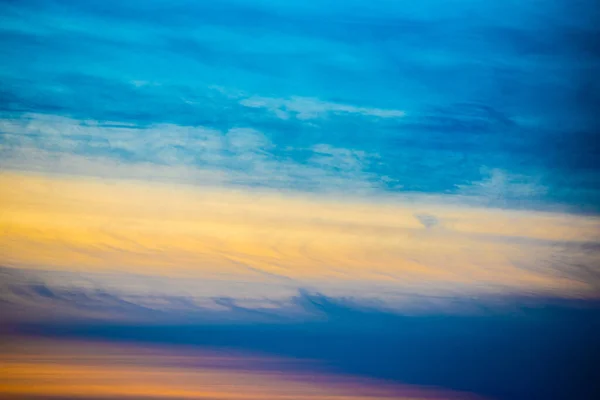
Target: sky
{"x": 376, "y": 198}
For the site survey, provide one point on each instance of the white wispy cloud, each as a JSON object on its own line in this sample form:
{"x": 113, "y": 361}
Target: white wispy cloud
{"x": 237, "y": 156}
{"x": 306, "y": 108}
{"x": 240, "y": 156}
{"x": 498, "y": 187}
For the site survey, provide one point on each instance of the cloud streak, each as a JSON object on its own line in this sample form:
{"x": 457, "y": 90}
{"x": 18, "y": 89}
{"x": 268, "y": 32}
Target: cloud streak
{"x": 239, "y": 156}
{"x": 330, "y": 243}
{"x": 97, "y": 369}
{"x": 366, "y": 342}
{"x": 307, "y": 108}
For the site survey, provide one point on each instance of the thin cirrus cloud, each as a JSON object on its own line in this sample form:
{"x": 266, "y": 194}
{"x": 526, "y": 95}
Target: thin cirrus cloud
{"x": 167, "y": 230}
{"x": 237, "y": 156}
{"x": 306, "y": 108}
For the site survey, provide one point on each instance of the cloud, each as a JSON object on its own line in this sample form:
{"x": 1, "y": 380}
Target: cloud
{"x": 310, "y": 108}
{"x": 84, "y": 369}
{"x": 32, "y": 297}
{"x": 367, "y": 340}
{"x": 238, "y": 156}
{"x": 427, "y": 220}
{"x": 500, "y": 188}
{"x": 272, "y": 240}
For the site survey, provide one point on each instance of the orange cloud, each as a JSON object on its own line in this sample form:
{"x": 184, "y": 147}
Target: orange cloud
{"x": 31, "y": 368}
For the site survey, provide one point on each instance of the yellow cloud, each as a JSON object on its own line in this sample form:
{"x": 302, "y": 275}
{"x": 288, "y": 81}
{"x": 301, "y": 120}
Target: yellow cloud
{"x": 100, "y": 225}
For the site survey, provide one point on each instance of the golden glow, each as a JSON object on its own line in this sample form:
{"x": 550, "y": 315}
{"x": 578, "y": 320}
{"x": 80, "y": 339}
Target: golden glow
{"x": 78, "y": 224}
{"x": 86, "y": 370}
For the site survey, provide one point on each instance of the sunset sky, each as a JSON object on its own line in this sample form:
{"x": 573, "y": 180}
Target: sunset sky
{"x": 269, "y": 199}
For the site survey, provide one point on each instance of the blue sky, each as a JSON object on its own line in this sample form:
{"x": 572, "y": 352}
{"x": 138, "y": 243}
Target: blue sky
{"x": 427, "y": 98}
